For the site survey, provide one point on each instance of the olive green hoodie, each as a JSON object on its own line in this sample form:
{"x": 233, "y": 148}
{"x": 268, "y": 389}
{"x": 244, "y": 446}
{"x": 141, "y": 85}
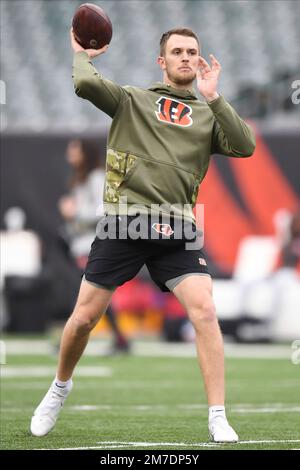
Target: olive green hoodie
{"x": 160, "y": 141}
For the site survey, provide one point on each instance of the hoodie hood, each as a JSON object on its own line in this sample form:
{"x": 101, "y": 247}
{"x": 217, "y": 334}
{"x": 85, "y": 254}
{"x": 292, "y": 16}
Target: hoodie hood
{"x": 159, "y": 87}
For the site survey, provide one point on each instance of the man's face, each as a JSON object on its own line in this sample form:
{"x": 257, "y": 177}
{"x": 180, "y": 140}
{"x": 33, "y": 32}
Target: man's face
{"x": 181, "y": 60}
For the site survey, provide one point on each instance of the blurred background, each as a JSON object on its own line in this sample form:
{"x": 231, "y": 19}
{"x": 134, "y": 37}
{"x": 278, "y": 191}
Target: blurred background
{"x": 252, "y": 218}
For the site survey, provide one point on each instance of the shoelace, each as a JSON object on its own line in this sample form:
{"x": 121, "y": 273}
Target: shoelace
{"x": 56, "y": 394}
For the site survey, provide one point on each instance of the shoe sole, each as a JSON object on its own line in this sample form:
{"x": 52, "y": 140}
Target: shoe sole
{"x": 224, "y": 442}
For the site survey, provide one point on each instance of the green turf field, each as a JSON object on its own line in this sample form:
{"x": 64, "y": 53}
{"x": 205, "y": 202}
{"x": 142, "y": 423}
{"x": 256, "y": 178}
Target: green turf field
{"x": 151, "y": 403}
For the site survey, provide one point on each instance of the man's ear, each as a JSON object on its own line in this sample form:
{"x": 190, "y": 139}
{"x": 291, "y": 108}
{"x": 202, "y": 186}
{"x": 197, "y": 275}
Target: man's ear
{"x": 161, "y": 62}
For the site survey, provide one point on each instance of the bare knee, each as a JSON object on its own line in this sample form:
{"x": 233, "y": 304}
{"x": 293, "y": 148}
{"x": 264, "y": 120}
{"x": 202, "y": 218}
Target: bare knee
{"x": 202, "y": 314}
{"x": 84, "y": 319}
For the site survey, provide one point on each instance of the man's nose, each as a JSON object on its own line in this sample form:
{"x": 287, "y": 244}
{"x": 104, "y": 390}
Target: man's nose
{"x": 185, "y": 57}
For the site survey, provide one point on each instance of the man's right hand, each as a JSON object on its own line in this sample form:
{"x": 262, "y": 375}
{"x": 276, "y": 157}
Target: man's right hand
{"x": 90, "y": 52}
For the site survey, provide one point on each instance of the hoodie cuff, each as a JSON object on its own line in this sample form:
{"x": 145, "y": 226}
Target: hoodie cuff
{"x": 217, "y": 105}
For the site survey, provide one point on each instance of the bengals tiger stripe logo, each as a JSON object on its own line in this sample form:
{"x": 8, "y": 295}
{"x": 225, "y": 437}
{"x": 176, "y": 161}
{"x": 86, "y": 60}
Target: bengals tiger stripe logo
{"x": 174, "y": 112}
{"x": 165, "y": 229}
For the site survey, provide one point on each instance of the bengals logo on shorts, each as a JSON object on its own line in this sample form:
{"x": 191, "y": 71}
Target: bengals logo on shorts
{"x": 174, "y": 112}
{"x": 165, "y": 229}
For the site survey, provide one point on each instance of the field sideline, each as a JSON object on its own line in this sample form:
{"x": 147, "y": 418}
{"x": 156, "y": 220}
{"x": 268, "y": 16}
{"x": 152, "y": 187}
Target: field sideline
{"x": 151, "y": 401}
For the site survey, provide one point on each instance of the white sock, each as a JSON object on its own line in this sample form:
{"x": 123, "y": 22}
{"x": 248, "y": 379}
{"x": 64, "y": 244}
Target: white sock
{"x": 214, "y": 411}
{"x": 62, "y": 385}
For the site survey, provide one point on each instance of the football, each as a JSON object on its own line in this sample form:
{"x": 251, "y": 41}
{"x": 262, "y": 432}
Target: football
{"x": 91, "y": 26}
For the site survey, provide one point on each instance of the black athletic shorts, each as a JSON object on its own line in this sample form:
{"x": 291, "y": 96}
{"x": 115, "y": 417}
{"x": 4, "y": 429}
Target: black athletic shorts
{"x": 169, "y": 257}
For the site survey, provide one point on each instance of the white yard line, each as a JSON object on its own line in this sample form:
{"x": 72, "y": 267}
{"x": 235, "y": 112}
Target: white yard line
{"x": 276, "y": 408}
{"x": 49, "y": 371}
{"x": 122, "y": 444}
{"x": 98, "y": 347}
{"x": 232, "y": 409}
{"x": 291, "y": 409}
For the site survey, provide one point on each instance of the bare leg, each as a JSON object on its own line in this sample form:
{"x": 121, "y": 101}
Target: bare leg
{"x": 195, "y": 294}
{"x": 90, "y": 306}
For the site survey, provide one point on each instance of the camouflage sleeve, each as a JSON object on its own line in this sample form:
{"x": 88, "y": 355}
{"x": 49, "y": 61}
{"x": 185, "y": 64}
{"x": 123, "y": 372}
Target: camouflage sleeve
{"x": 231, "y": 135}
{"x": 90, "y": 85}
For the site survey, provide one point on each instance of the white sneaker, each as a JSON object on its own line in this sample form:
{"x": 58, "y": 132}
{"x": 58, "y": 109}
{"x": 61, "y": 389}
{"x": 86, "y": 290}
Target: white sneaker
{"x": 45, "y": 415}
{"x": 221, "y": 431}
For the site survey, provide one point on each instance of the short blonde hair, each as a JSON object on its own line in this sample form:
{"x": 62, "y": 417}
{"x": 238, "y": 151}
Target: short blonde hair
{"x": 181, "y": 32}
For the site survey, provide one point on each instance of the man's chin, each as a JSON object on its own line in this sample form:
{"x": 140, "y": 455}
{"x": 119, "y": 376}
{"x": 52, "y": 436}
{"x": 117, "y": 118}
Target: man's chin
{"x": 186, "y": 79}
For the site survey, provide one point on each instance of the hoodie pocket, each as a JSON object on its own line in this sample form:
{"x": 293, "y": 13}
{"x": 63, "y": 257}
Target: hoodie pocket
{"x": 118, "y": 167}
{"x": 152, "y": 182}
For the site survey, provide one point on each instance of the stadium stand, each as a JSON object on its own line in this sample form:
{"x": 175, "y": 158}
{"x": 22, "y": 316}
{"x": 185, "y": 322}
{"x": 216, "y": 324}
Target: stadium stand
{"x": 36, "y": 59}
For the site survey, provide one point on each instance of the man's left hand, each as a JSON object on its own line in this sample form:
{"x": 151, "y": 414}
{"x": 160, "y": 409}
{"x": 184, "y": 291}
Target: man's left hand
{"x": 207, "y": 78}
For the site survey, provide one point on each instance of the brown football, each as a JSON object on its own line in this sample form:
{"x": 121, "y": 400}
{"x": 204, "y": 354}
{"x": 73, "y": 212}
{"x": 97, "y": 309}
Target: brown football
{"x": 91, "y": 26}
